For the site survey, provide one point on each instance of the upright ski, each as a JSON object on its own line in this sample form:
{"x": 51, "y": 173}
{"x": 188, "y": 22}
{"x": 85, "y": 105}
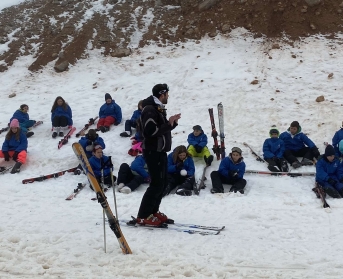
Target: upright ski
{"x": 201, "y": 184}
{"x": 102, "y": 199}
{"x": 221, "y": 129}
{"x": 66, "y": 137}
{"x": 75, "y": 170}
{"x": 214, "y": 134}
{"x": 76, "y": 191}
{"x": 84, "y": 129}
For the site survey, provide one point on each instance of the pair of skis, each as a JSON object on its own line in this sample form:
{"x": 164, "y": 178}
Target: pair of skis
{"x": 66, "y": 138}
{"x": 75, "y": 170}
{"x": 218, "y": 150}
{"x": 8, "y": 127}
{"x": 84, "y": 129}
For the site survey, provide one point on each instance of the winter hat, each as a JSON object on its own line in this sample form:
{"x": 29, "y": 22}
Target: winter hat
{"x": 295, "y": 124}
{"x": 92, "y": 134}
{"x": 236, "y": 149}
{"x": 14, "y": 123}
{"x": 197, "y": 127}
{"x": 329, "y": 150}
{"x": 159, "y": 89}
{"x": 108, "y": 96}
{"x": 274, "y": 131}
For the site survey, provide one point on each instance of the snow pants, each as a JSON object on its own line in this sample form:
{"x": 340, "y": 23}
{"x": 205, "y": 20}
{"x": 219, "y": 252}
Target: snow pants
{"x": 291, "y": 155}
{"x": 157, "y": 163}
{"x": 60, "y": 121}
{"x": 130, "y": 124}
{"x": 24, "y": 126}
{"x": 204, "y": 152}
{"x": 129, "y": 179}
{"x": 218, "y": 180}
{"x": 21, "y": 156}
{"x": 107, "y": 121}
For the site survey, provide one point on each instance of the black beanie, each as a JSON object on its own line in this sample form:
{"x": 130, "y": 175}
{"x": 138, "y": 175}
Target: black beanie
{"x": 159, "y": 89}
{"x": 197, "y": 127}
{"x": 295, "y": 124}
{"x": 107, "y": 96}
{"x": 329, "y": 150}
{"x": 92, "y": 134}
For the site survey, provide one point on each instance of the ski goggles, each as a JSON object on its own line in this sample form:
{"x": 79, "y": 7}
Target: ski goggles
{"x": 236, "y": 149}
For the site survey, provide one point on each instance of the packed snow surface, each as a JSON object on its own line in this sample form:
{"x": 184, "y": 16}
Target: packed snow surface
{"x": 277, "y": 229}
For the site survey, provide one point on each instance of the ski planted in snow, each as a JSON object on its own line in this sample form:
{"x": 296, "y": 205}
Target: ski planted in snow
{"x": 4, "y": 129}
{"x": 221, "y": 129}
{"x": 75, "y": 170}
{"x": 3, "y": 170}
{"x": 201, "y": 184}
{"x": 102, "y": 199}
{"x": 319, "y": 191}
{"x": 76, "y": 191}
{"x": 84, "y": 129}
{"x": 291, "y": 174}
{"x": 214, "y": 134}
{"x": 66, "y": 137}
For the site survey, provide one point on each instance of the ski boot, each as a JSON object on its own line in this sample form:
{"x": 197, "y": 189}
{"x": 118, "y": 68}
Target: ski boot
{"x": 16, "y": 167}
{"x": 164, "y": 219}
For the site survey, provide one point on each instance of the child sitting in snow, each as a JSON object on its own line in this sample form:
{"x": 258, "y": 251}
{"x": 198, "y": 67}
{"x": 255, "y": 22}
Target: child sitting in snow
{"x": 180, "y": 172}
{"x": 231, "y": 171}
{"x": 132, "y": 123}
{"x": 24, "y": 119}
{"x": 197, "y": 145}
{"x": 90, "y": 140}
{"x": 273, "y": 149}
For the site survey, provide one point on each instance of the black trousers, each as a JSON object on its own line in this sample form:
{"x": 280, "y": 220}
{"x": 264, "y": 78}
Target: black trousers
{"x": 280, "y": 163}
{"x": 291, "y": 155}
{"x": 218, "y": 180}
{"x": 126, "y": 176}
{"x": 179, "y": 181}
{"x": 157, "y": 163}
{"x": 60, "y": 121}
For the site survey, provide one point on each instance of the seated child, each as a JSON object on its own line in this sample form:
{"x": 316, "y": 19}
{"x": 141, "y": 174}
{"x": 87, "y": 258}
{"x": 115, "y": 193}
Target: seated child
{"x": 197, "y": 145}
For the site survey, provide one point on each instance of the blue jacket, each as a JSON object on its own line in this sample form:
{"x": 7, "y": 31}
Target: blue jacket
{"x": 139, "y": 166}
{"x": 15, "y": 145}
{"x": 326, "y": 170}
{"x": 188, "y": 165}
{"x": 96, "y": 166}
{"x": 111, "y": 109}
{"x": 335, "y": 141}
{"x": 136, "y": 114}
{"x": 227, "y": 165}
{"x": 59, "y": 111}
{"x": 20, "y": 116}
{"x": 297, "y": 141}
{"x": 98, "y": 141}
{"x": 200, "y": 140}
{"x": 273, "y": 147}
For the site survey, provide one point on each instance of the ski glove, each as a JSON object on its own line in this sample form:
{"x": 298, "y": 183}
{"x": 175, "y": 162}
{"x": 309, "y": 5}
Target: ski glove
{"x": 198, "y": 148}
{"x": 15, "y": 156}
{"x": 233, "y": 173}
{"x": 315, "y": 152}
{"x": 332, "y": 182}
{"x": 6, "y": 155}
{"x": 179, "y": 166}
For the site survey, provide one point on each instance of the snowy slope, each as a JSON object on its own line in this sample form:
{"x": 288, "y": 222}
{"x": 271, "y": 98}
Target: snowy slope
{"x": 277, "y": 229}
{"x": 8, "y": 3}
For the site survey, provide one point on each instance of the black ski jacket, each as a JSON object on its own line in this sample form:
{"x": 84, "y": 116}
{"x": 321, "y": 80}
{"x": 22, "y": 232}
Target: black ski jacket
{"x": 155, "y": 126}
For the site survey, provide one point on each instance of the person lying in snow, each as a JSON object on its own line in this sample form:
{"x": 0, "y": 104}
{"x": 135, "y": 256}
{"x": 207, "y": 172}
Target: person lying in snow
{"x": 231, "y": 171}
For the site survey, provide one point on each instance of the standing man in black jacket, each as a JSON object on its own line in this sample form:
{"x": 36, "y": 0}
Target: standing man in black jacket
{"x": 156, "y": 131}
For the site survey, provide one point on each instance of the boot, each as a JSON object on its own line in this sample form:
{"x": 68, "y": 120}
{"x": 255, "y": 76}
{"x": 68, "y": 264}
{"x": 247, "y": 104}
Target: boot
{"x": 284, "y": 166}
{"x": 54, "y": 135}
{"x": 163, "y": 217}
{"x": 306, "y": 162}
{"x": 125, "y": 190}
{"x": 273, "y": 168}
{"x": 151, "y": 221}
{"x": 208, "y": 160}
{"x": 332, "y": 192}
{"x": 183, "y": 192}
{"x": 296, "y": 164}
{"x": 216, "y": 191}
{"x": 61, "y": 134}
{"x": 29, "y": 134}
{"x": 125, "y": 134}
{"x": 16, "y": 167}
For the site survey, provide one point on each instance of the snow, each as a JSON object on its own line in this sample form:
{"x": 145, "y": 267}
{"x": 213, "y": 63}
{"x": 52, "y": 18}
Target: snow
{"x": 9, "y": 3}
{"x": 277, "y": 229}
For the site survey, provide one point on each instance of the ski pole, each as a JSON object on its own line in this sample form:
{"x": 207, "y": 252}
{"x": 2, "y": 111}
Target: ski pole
{"x": 114, "y": 195}
{"x": 103, "y": 211}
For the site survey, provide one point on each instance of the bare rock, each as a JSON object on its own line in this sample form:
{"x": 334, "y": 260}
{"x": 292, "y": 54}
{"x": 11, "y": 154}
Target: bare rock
{"x": 226, "y": 28}
{"x": 12, "y": 95}
{"x": 255, "y": 81}
{"x": 61, "y": 66}
{"x": 330, "y": 75}
{"x": 294, "y": 56}
{"x": 312, "y": 3}
{"x": 320, "y": 99}
{"x": 275, "y": 46}
{"x": 207, "y": 4}
{"x": 121, "y": 52}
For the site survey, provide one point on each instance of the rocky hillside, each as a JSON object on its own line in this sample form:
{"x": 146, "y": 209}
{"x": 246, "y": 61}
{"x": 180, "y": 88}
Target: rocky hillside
{"x": 63, "y": 30}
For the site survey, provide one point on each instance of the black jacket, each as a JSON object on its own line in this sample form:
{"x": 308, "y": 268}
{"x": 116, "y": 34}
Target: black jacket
{"x": 155, "y": 126}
